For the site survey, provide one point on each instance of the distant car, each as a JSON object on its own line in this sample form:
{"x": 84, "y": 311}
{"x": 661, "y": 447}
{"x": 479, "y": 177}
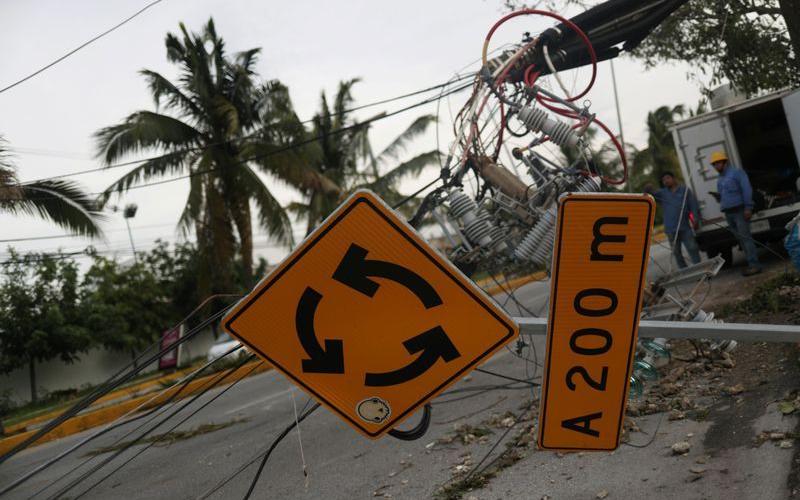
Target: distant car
{"x": 224, "y": 344}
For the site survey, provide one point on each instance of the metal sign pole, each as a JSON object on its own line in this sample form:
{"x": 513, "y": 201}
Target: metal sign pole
{"x": 740, "y": 332}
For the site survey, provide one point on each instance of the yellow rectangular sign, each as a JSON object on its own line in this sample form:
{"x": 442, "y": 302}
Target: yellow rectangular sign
{"x": 599, "y": 263}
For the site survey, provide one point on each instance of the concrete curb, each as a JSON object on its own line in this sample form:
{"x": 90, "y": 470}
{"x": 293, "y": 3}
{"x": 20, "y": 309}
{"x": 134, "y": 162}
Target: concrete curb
{"x": 512, "y": 284}
{"x": 127, "y": 393}
{"x": 102, "y": 416}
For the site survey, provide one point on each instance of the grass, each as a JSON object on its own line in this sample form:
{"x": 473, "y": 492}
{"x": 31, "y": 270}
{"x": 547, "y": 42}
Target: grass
{"x": 778, "y": 295}
{"x": 515, "y": 450}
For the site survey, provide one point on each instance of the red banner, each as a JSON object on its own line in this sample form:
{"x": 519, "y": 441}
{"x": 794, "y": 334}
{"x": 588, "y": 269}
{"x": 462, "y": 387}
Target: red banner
{"x": 168, "y": 338}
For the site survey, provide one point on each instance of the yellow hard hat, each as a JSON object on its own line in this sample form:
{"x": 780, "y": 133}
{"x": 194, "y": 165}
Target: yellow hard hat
{"x": 718, "y": 156}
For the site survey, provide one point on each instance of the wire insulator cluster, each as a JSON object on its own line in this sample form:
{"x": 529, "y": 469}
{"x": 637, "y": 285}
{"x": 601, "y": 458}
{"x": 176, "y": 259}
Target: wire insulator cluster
{"x": 537, "y": 245}
{"x": 538, "y": 120}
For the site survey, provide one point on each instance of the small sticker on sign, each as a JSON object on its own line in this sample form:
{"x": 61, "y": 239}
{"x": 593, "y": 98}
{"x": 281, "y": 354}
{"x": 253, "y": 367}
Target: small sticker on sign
{"x": 374, "y": 410}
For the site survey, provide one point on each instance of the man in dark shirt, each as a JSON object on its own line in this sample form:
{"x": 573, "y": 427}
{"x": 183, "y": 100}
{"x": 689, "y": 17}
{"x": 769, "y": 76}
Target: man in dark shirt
{"x": 678, "y": 203}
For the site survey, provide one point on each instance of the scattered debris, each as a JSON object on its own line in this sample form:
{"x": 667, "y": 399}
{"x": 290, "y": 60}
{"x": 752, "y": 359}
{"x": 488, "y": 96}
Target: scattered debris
{"x": 466, "y": 434}
{"x": 681, "y": 448}
{"x": 167, "y": 438}
{"x": 734, "y": 390}
{"x": 676, "y": 414}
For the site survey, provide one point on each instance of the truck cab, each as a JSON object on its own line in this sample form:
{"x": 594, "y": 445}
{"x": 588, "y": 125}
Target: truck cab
{"x": 760, "y": 135}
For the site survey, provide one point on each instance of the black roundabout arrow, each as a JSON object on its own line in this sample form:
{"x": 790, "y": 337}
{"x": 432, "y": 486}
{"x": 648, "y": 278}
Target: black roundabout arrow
{"x": 354, "y": 271}
{"x": 328, "y": 360}
{"x": 433, "y": 343}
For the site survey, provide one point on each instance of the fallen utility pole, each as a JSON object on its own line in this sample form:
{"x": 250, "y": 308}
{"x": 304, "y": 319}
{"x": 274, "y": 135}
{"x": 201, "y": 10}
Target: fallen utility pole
{"x": 740, "y": 332}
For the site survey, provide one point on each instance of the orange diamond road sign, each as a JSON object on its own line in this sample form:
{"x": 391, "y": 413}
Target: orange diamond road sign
{"x": 599, "y": 263}
{"x": 368, "y": 319}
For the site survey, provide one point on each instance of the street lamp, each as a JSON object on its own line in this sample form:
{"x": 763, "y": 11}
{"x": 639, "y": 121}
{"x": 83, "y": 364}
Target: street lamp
{"x": 129, "y": 212}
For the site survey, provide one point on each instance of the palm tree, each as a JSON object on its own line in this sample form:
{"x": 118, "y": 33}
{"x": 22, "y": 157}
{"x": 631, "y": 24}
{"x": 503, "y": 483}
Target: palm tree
{"x": 660, "y": 154}
{"x": 62, "y": 202}
{"x": 220, "y": 127}
{"x": 343, "y": 154}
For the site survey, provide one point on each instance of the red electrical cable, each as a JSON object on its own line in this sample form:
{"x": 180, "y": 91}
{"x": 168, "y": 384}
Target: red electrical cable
{"x": 531, "y": 75}
{"x": 620, "y": 150}
{"x": 568, "y": 23}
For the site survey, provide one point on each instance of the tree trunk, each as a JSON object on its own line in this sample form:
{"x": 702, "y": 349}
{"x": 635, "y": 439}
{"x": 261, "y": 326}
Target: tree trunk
{"x": 790, "y": 10}
{"x": 133, "y": 358}
{"x": 244, "y": 227}
{"x": 311, "y": 221}
{"x": 32, "y": 376}
{"x": 222, "y": 240}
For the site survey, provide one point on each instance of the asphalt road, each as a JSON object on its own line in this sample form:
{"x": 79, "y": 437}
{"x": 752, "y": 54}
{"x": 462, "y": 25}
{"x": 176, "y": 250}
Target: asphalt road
{"x": 342, "y": 464}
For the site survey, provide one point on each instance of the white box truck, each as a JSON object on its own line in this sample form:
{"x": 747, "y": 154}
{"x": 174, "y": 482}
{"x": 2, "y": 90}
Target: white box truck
{"x": 760, "y": 135}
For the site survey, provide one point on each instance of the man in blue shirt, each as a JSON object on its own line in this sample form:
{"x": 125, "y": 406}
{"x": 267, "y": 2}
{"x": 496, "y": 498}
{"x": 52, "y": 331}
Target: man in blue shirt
{"x": 736, "y": 201}
{"x": 677, "y": 202}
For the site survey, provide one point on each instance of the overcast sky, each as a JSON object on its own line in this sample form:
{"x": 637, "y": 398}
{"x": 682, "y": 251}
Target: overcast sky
{"x": 310, "y": 46}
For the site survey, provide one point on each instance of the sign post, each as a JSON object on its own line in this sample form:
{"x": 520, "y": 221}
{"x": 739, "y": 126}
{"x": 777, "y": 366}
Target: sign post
{"x": 599, "y": 264}
{"x": 368, "y": 319}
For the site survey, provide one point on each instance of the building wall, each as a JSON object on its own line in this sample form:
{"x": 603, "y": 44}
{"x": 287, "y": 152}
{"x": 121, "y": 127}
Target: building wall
{"x": 92, "y": 368}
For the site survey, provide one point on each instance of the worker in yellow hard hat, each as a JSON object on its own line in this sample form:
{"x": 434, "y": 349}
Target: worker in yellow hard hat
{"x": 736, "y": 201}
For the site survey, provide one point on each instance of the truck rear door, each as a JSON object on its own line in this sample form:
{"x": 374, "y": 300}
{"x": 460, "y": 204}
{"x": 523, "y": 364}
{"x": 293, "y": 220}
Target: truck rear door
{"x": 696, "y": 141}
{"x": 791, "y": 105}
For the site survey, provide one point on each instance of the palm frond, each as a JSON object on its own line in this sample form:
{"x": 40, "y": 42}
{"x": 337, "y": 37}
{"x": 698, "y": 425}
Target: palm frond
{"x": 271, "y": 215}
{"x": 62, "y": 202}
{"x": 144, "y": 130}
{"x": 160, "y": 87}
{"x": 299, "y": 210}
{"x": 170, "y": 163}
{"x": 290, "y": 166}
{"x": 399, "y": 145}
{"x": 411, "y": 167}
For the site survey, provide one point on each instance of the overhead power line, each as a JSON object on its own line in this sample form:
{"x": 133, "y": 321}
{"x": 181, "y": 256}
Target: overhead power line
{"x": 75, "y": 235}
{"x": 81, "y": 46}
{"x": 283, "y": 149}
{"x": 247, "y": 136}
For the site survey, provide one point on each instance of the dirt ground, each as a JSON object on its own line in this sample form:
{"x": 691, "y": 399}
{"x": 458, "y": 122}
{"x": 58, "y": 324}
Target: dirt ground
{"x": 731, "y": 391}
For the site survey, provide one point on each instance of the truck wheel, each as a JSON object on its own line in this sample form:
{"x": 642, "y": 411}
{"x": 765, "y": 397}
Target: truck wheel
{"x": 725, "y": 252}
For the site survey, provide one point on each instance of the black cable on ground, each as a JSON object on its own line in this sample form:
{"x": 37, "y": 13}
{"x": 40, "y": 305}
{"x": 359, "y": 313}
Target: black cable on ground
{"x": 418, "y": 431}
{"x": 153, "y": 413}
{"x": 108, "y": 387}
{"x": 274, "y": 445}
{"x": 652, "y": 437}
{"x": 517, "y": 419}
{"x": 507, "y": 377}
{"x": 480, "y": 391}
{"x": 213, "y": 383}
